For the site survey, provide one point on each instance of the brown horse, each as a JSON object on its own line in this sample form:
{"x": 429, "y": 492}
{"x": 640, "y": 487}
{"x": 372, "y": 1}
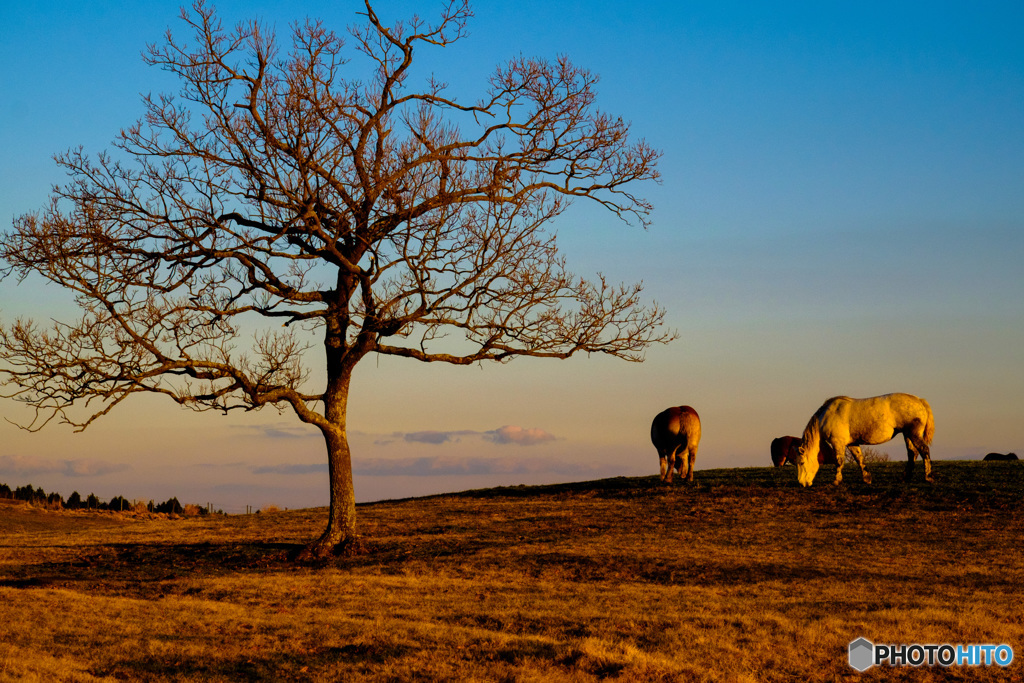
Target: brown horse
{"x": 675, "y": 432}
{"x": 785, "y": 451}
{"x": 843, "y": 422}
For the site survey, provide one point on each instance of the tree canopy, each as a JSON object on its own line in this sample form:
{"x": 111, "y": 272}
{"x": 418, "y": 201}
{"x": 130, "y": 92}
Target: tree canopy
{"x": 314, "y": 187}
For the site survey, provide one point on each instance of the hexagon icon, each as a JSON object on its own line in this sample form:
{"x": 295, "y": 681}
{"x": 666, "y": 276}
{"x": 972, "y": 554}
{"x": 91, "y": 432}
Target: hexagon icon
{"x": 861, "y": 654}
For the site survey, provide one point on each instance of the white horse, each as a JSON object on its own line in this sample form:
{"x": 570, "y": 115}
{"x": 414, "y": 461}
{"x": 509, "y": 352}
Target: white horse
{"x": 843, "y": 422}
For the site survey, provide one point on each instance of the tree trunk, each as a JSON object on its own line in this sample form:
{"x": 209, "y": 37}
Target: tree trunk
{"x": 341, "y": 522}
{"x": 340, "y": 534}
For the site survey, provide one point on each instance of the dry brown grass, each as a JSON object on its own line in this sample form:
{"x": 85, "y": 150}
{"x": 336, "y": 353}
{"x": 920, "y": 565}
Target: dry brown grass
{"x": 743, "y": 577}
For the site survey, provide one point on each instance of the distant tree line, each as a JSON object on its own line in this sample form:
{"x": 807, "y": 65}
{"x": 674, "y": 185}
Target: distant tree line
{"x": 37, "y": 496}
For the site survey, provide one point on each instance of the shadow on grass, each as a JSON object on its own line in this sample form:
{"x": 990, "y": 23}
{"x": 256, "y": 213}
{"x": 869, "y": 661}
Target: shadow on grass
{"x": 142, "y": 568}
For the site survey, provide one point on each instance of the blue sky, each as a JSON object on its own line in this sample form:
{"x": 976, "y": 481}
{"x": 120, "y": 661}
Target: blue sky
{"x": 841, "y": 212}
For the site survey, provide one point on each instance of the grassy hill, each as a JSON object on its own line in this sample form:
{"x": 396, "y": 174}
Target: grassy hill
{"x": 742, "y": 577}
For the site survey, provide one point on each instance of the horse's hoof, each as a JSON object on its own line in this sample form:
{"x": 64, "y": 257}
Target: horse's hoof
{"x": 867, "y": 478}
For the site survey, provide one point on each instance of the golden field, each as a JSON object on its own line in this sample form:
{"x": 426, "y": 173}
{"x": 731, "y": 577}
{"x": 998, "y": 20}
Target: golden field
{"x": 743, "y": 576}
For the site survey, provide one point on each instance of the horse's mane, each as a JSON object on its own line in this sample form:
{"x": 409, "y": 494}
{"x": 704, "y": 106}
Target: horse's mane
{"x": 812, "y": 432}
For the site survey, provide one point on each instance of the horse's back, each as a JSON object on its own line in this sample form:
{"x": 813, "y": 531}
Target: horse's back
{"x": 907, "y": 405}
{"x": 675, "y": 425}
{"x": 908, "y": 412}
{"x": 879, "y": 418}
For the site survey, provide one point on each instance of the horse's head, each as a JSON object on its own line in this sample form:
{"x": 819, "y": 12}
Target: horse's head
{"x": 806, "y": 462}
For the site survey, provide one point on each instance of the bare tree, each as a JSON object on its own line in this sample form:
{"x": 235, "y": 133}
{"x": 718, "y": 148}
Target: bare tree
{"x": 375, "y": 217}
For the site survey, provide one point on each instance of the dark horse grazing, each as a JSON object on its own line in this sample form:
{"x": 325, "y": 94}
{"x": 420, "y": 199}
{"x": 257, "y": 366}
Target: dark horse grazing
{"x": 675, "y": 432}
{"x": 843, "y": 422}
{"x": 1001, "y": 456}
{"x": 785, "y": 450}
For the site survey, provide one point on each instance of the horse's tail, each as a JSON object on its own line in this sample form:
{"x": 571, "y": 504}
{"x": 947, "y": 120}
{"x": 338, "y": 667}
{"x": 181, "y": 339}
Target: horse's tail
{"x": 929, "y": 427}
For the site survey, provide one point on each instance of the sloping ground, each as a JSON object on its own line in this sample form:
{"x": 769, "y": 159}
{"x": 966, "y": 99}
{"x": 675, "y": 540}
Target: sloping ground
{"x": 743, "y": 577}
{"x": 19, "y": 517}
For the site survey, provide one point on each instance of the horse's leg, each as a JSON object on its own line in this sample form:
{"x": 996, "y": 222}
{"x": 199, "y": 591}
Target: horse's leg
{"x": 840, "y": 451}
{"x": 673, "y": 463}
{"x": 917, "y": 445}
{"x": 666, "y": 467}
{"x": 911, "y": 454}
{"x": 859, "y": 457}
{"x": 691, "y": 455}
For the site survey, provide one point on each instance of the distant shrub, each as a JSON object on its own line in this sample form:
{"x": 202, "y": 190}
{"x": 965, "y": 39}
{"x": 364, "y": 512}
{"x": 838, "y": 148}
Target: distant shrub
{"x": 54, "y": 501}
{"x": 172, "y": 507}
{"x": 29, "y": 494}
{"x": 873, "y": 454}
